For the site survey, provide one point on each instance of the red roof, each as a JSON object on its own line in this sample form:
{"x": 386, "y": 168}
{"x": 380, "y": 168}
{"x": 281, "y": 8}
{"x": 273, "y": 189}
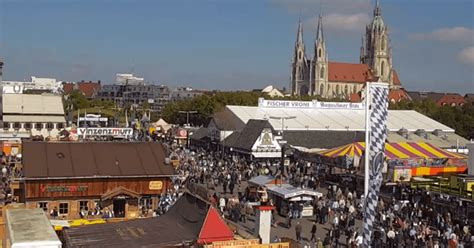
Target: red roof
{"x": 68, "y": 88}
{"x": 354, "y": 97}
{"x": 346, "y": 72}
{"x": 214, "y": 228}
{"x": 398, "y": 95}
{"x": 88, "y": 88}
{"x": 452, "y": 100}
{"x": 396, "y": 80}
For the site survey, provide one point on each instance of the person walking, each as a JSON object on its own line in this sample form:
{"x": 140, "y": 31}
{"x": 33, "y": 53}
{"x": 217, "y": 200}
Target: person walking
{"x": 298, "y": 230}
{"x": 314, "y": 228}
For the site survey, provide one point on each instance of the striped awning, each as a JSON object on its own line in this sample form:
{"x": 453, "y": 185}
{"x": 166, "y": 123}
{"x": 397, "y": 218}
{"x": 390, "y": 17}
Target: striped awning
{"x": 402, "y": 150}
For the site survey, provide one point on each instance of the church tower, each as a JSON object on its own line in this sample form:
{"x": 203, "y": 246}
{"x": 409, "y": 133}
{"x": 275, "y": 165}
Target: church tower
{"x": 377, "y": 52}
{"x": 299, "y": 66}
{"x": 320, "y": 62}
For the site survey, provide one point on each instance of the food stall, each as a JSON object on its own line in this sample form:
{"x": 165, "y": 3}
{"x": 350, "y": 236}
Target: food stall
{"x": 283, "y": 195}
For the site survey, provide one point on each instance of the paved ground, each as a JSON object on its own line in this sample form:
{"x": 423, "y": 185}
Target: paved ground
{"x": 281, "y": 230}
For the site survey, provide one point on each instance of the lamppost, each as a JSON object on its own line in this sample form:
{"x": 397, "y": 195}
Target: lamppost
{"x": 187, "y": 114}
{"x": 187, "y": 123}
{"x": 282, "y": 141}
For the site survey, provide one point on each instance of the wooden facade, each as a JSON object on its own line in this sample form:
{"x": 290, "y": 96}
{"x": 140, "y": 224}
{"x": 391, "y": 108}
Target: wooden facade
{"x": 105, "y": 191}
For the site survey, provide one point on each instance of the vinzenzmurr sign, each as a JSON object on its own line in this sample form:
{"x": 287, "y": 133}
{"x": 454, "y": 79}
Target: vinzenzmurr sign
{"x": 105, "y": 131}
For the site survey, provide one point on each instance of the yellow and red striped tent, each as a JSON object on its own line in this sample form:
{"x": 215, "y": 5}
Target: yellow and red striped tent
{"x": 402, "y": 150}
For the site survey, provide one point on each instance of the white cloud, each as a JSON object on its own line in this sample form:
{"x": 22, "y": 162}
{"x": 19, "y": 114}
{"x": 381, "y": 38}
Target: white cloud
{"x": 342, "y": 23}
{"x": 454, "y": 34}
{"x": 467, "y": 55}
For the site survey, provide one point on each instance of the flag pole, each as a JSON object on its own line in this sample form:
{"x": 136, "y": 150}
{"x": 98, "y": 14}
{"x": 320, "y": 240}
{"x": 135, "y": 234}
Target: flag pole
{"x": 367, "y": 139}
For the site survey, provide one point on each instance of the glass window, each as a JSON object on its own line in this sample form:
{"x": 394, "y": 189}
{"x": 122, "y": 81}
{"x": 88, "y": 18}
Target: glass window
{"x": 43, "y": 205}
{"x": 16, "y": 125}
{"x": 38, "y": 126}
{"x": 63, "y": 208}
{"x": 49, "y": 125}
{"x": 6, "y": 125}
{"x": 28, "y": 125}
{"x": 60, "y": 125}
{"x": 83, "y": 205}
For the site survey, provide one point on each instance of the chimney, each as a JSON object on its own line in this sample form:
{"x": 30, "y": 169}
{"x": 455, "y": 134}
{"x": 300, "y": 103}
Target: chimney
{"x": 470, "y": 163}
{"x": 263, "y": 223}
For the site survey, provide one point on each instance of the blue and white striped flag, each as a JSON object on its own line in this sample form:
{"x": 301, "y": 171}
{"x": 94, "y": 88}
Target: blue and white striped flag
{"x": 376, "y": 147}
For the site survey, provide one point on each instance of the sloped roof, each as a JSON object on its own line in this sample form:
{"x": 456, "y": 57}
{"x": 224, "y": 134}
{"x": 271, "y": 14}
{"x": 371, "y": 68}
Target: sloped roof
{"x": 214, "y": 228}
{"x": 451, "y": 98}
{"x": 99, "y": 159}
{"x": 396, "y": 79}
{"x": 335, "y": 119}
{"x": 347, "y": 72}
{"x": 398, "y": 95}
{"x": 44, "y": 104}
{"x": 249, "y": 135}
{"x": 224, "y": 121}
{"x": 322, "y": 139}
{"x": 199, "y": 134}
{"x": 180, "y": 225}
{"x": 88, "y": 88}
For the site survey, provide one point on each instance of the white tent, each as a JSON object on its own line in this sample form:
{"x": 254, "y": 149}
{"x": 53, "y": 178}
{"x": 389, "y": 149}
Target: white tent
{"x": 162, "y": 124}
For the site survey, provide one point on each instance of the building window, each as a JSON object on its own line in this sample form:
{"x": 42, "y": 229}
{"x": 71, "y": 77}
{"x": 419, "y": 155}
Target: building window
{"x": 382, "y": 67}
{"x": 83, "y": 205}
{"x": 6, "y": 125}
{"x": 49, "y": 125}
{"x": 346, "y": 90}
{"x": 63, "y": 208}
{"x": 321, "y": 89}
{"x": 38, "y": 126}
{"x": 16, "y": 125}
{"x": 43, "y": 205}
{"x": 300, "y": 55}
{"x": 60, "y": 125}
{"x": 28, "y": 126}
{"x": 319, "y": 53}
{"x": 321, "y": 73}
{"x": 338, "y": 90}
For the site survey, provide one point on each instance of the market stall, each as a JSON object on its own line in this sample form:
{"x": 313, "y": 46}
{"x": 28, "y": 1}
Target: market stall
{"x": 403, "y": 160}
{"x": 283, "y": 195}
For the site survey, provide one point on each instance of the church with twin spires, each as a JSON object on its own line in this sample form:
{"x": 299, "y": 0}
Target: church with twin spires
{"x": 317, "y": 76}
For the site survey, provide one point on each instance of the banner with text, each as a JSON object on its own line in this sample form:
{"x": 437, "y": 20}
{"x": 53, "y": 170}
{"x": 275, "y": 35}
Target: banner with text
{"x": 105, "y": 131}
{"x": 262, "y": 103}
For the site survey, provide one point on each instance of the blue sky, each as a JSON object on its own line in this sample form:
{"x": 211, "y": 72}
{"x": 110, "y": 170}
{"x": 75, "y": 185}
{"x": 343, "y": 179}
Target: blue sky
{"x": 228, "y": 44}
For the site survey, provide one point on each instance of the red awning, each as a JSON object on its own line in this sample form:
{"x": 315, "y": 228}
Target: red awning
{"x": 214, "y": 228}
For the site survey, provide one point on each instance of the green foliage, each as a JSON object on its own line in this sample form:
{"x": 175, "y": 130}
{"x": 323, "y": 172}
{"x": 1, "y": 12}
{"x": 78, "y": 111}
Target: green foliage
{"x": 206, "y": 105}
{"x": 460, "y": 119}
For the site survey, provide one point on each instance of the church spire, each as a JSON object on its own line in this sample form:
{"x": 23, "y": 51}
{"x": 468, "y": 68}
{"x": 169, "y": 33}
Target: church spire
{"x": 319, "y": 33}
{"x": 377, "y": 10}
{"x": 299, "y": 36}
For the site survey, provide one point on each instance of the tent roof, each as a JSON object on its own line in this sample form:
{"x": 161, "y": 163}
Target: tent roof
{"x": 402, "y": 150}
{"x": 214, "y": 228}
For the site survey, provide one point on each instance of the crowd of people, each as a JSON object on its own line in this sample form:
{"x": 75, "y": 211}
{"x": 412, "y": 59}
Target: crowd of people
{"x": 406, "y": 219}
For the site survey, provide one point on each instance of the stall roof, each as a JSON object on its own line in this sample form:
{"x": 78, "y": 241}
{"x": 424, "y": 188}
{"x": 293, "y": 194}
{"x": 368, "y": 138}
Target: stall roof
{"x": 402, "y": 150}
{"x": 30, "y": 228}
{"x": 332, "y": 119}
{"x": 189, "y": 220}
{"x": 288, "y": 191}
{"x": 43, "y": 160}
{"x": 262, "y": 180}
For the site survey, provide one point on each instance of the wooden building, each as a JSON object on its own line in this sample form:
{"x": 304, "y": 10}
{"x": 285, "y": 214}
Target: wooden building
{"x": 68, "y": 177}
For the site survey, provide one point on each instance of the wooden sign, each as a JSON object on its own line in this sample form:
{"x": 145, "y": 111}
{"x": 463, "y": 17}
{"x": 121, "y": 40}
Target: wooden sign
{"x": 155, "y": 185}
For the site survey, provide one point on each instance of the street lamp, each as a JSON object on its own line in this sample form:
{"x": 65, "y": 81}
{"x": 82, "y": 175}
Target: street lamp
{"x": 282, "y": 141}
{"x": 187, "y": 114}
